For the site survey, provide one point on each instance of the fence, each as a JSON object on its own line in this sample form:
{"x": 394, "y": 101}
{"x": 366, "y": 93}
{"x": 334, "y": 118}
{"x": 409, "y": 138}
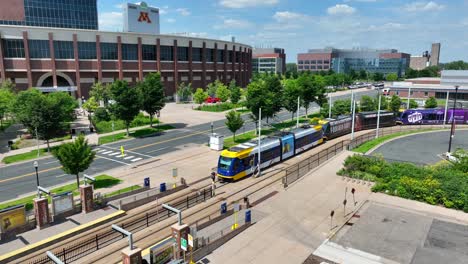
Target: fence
{"x": 91, "y": 244}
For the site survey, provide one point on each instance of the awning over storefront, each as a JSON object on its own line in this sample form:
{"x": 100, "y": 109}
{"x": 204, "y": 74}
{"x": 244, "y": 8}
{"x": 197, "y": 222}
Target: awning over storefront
{"x": 57, "y": 89}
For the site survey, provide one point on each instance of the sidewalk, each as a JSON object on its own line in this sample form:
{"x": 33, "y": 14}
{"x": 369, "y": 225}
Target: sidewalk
{"x": 294, "y": 222}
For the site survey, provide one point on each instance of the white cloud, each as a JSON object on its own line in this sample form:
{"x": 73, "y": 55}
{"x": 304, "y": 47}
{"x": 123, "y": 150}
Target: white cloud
{"x": 183, "y": 11}
{"x": 234, "y": 24}
{"x": 362, "y": 1}
{"x": 286, "y": 16}
{"x": 247, "y": 3}
{"x": 170, "y": 20}
{"x": 119, "y": 6}
{"x": 111, "y": 21}
{"x": 423, "y": 6}
{"x": 385, "y": 27}
{"x": 339, "y": 9}
{"x": 163, "y": 10}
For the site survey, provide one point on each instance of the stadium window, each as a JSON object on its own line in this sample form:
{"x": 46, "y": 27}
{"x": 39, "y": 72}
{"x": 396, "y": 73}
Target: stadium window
{"x": 13, "y": 48}
{"x": 182, "y": 54}
{"x": 149, "y": 52}
{"x": 109, "y": 51}
{"x": 167, "y": 53}
{"x": 209, "y": 55}
{"x": 87, "y": 50}
{"x": 63, "y": 50}
{"x": 197, "y": 54}
{"x": 39, "y": 49}
{"x": 130, "y": 52}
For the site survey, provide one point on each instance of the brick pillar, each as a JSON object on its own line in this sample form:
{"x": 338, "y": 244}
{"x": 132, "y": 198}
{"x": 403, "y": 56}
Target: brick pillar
{"x": 77, "y": 66}
{"x": 131, "y": 256}
{"x": 204, "y": 65}
{"x": 2, "y": 63}
{"x": 158, "y": 55}
{"x": 41, "y": 212}
{"x": 190, "y": 54}
{"x": 87, "y": 199}
{"x": 28, "y": 59}
{"x": 178, "y": 232}
{"x": 233, "y": 64}
{"x": 119, "y": 57}
{"x": 176, "y": 61}
{"x": 226, "y": 56}
{"x": 98, "y": 57}
{"x": 140, "y": 60}
{"x": 52, "y": 58}
{"x": 215, "y": 60}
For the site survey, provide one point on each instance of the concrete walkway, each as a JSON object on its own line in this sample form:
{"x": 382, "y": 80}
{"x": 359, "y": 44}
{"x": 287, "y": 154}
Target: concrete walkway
{"x": 296, "y": 221}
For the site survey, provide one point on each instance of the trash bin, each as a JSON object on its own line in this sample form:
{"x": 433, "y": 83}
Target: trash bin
{"x": 223, "y": 208}
{"x": 162, "y": 187}
{"x": 147, "y": 182}
{"x": 248, "y": 216}
{"x": 73, "y": 131}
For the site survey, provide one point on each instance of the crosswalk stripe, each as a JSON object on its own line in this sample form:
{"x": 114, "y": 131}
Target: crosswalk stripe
{"x": 98, "y": 149}
{"x": 101, "y": 150}
{"x": 107, "y": 152}
{"x": 137, "y": 159}
{"x": 129, "y": 157}
{"x": 113, "y": 154}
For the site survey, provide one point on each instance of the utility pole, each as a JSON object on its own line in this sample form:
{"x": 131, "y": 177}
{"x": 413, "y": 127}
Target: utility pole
{"x": 352, "y": 100}
{"x": 259, "y": 139}
{"x": 446, "y": 108}
{"x": 329, "y": 106}
{"x": 297, "y": 112}
{"x": 378, "y": 116}
{"x": 37, "y": 143}
{"x": 354, "y": 118}
{"x": 409, "y": 94}
{"x": 452, "y": 130}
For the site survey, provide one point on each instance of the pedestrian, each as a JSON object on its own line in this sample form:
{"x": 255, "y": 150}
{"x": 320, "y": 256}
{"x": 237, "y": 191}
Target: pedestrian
{"x": 213, "y": 176}
{"x": 213, "y": 188}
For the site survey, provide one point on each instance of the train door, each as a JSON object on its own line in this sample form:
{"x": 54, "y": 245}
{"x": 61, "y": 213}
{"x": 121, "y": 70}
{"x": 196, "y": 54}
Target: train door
{"x": 287, "y": 146}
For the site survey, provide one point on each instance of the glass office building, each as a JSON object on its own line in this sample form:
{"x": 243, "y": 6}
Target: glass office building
{"x": 80, "y": 14}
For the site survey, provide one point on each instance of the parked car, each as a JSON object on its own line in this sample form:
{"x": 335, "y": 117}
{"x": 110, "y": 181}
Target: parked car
{"x": 212, "y": 100}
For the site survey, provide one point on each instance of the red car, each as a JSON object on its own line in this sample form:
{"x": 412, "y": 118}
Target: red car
{"x": 212, "y": 100}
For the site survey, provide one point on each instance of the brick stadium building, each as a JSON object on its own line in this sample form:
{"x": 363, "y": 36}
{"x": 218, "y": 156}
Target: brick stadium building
{"x": 55, "y": 57}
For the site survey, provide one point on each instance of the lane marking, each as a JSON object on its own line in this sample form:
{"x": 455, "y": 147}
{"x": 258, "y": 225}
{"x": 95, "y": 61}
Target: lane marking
{"x": 156, "y": 150}
{"x": 129, "y": 157}
{"x": 61, "y": 176}
{"x": 118, "y": 161}
{"x": 50, "y": 162}
{"x": 113, "y": 154}
{"x": 137, "y": 159}
{"x": 30, "y": 174}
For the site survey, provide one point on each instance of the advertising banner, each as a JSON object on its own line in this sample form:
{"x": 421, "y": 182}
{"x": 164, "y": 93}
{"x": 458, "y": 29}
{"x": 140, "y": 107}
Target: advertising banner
{"x": 62, "y": 203}
{"x": 12, "y": 217}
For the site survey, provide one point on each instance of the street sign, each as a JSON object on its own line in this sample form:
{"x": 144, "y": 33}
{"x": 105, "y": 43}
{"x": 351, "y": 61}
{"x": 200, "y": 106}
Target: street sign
{"x": 174, "y": 172}
{"x": 236, "y": 207}
{"x": 190, "y": 240}
{"x": 183, "y": 244}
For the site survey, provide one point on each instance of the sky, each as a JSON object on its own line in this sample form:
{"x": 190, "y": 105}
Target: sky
{"x": 298, "y": 25}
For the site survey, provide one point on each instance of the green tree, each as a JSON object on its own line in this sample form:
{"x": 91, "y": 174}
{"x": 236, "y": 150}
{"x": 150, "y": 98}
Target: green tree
{"x": 91, "y": 105}
{"x": 456, "y": 65}
{"x": 234, "y": 122}
{"x": 236, "y": 94}
{"x": 461, "y": 163}
{"x": 200, "y": 96}
{"x": 391, "y": 77}
{"x": 395, "y": 103}
{"x": 183, "y": 91}
{"x": 291, "y": 68}
{"x": 49, "y": 115}
{"x": 431, "y": 102}
{"x": 383, "y": 102}
{"x": 352, "y": 73}
{"x": 211, "y": 89}
{"x": 378, "y": 77}
{"x": 151, "y": 92}
{"x": 257, "y": 97}
{"x": 127, "y": 102}
{"x": 101, "y": 92}
{"x": 273, "y": 103}
{"x": 222, "y": 92}
{"x": 75, "y": 157}
{"x": 8, "y": 85}
{"x": 367, "y": 103}
{"x": 363, "y": 74}
{"x": 413, "y": 104}
{"x": 291, "y": 93}
{"x": 312, "y": 89}
{"x": 6, "y": 99}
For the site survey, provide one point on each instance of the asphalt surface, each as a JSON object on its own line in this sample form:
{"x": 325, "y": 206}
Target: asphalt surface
{"x": 423, "y": 148}
{"x": 406, "y": 237}
{"x": 19, "y": 179}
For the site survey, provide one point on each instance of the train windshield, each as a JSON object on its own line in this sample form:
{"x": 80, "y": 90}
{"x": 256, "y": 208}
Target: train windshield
{"x": 225, "y": 163}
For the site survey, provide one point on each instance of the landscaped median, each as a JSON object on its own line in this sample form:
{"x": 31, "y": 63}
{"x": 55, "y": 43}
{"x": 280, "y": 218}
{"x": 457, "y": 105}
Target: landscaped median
{"x": 102, "y": 181}
{"x": 365, "y": 147}
{"x": 221, "y": 107}
{"x": 26, "y": 156}
{"x": 144, "y": 132}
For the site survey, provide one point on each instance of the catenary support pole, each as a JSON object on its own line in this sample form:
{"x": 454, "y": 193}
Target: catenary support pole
{"x": 378, "y": 117}
{"x": 452, "y": 129}
{"x": 329, "y": 106}
{"x": 354, "y": 118}
{"x": 446, "y": 108}
{"x": 409, "y": 94}
{"x": 298, "y": 107}
{"x": 259, "y": 136}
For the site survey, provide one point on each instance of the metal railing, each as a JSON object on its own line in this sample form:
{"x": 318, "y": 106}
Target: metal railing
{"x": 85, "y": 247}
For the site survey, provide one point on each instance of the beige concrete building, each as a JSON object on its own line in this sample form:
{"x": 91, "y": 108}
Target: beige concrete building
{"x": 427, "y": 59}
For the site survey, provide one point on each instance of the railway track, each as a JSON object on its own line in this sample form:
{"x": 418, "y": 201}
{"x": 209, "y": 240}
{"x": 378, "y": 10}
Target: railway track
{"x": 149, "y": 224}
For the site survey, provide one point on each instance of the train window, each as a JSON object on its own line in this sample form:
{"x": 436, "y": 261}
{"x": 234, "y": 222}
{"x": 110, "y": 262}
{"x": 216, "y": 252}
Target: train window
{"x": 225, "y": 163}
{"x": 236, "y": 165}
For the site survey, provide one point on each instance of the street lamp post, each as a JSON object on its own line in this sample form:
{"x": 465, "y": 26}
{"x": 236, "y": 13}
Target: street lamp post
{"x": 36, "y": 166}
{"x": 452, "y": 129}
{"x": 212, "y": 127}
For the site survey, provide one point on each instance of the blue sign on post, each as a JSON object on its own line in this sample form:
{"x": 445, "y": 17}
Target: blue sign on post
{"x": 223, "y": 208}
{"x": 162, "y": 187}
{"x": 248, "y": 216}
{"x": 147, "y": 182}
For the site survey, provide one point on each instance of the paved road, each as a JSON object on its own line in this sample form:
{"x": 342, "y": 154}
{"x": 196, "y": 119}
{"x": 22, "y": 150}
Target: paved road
{"x": 422, "y": 148}
{"x": 18, "y": 179}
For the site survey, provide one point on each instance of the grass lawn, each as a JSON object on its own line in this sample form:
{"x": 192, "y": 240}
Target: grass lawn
{"x": 134, "y": 134}
{"x": 363, "y": 148}
{"x": 124, "y": 190}
{"x": 220, "y": 107}
{"x": 26, "y": 156}
{"x": 102, "y": 181}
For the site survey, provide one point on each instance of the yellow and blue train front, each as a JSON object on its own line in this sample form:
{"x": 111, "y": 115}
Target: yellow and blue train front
{"x": 230, "y": 166}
